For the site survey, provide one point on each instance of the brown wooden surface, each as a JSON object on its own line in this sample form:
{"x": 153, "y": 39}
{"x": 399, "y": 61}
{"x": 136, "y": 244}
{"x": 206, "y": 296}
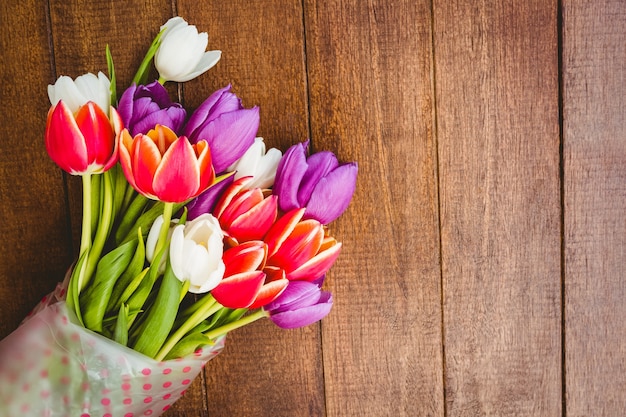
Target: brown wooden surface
{"x": 594, "y": 146}
{"x": 484, "y": 251}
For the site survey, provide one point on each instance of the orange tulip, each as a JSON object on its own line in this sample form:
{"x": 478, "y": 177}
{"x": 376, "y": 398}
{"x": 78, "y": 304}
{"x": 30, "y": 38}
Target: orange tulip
{"x": 300, "y": 247}
{"x": 162, "y": 166}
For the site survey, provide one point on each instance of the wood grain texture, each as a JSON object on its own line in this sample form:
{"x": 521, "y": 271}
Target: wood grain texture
{"x": 369, "y": 67}
{"x": 264, "y": 371}
{"x": 35, "y": 245}
{"x": 594, "y": 137}
{"x": 496, "y": 67}
{"x": 473, "y": 214}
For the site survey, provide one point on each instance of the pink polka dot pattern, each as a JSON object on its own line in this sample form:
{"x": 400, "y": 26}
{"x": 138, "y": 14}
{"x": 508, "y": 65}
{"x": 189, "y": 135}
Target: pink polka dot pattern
{"x": 58, "y": 369}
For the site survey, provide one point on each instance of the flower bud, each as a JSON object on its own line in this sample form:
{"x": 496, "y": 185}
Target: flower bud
{"x": 181, "y": 55}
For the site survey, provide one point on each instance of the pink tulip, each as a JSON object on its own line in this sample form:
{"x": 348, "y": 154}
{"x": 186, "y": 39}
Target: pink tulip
{"x": 162, "y": 166}
{"x": 245, "y": 214}
{"x": 247, "y": 283}
{"x": 82, "y": 143}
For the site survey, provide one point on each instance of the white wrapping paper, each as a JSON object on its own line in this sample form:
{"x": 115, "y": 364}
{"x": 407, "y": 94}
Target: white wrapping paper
{"x": 52, "y": 367}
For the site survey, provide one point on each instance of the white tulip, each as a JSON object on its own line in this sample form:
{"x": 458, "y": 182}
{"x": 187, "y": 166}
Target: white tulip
{"x": 258, "y": 164}
{"x": 75, "y": 93}
{"x": 181, "y": 55}
{"x": 196, "y": 251}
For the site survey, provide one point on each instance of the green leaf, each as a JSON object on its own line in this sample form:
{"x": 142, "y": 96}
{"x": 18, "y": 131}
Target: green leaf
{"x": 95, "y": 299}
{"x": 188, "y": 345}
{"x": 129, "y": 277}
{"x": 131, "y": 214}
{"x": 120, "y": 185}
{"x": 139, "y": 297}
{"x": 120, "y": 334}
{"x": 111, "y": 68}
{"x": 73, "y": 290}
{"x": 225, "y": 316}
{"x": 148, "y": 217}
{"x": 160, "y": 317}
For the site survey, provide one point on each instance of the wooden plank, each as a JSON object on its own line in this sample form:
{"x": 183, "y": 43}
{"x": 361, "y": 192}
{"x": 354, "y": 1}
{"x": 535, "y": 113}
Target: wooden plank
{"x": 264, "y": 371}
{"x": 594, "y": 136}
{"x": 35, "y": 246}
{"x": 496, "y": 66}
{"x": 370, "y": 66}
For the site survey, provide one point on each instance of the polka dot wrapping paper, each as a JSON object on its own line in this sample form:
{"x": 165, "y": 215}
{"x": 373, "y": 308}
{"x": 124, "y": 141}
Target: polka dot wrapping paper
{"x": 52, "y": 367}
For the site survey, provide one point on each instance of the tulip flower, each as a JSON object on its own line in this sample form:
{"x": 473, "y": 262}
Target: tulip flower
{"x": 181, "y": 54}
{"x": 196, "y": 252}
{"x": 258, "y": 164}
{"x": 205, "y": 202}
{"x": 142, "y": 107}
{"x": 245, "y": 214}
{"x": 162, "y": 166}
{"x": 78, "y": 92}
{"x": 226, "y": 125}
{"x": 246, "y": 283}
{"x": 300, "y": 247}
{"x": 82, "y": 143}
{"x": 302, "y": 303}
{"x": 318, "y": 183}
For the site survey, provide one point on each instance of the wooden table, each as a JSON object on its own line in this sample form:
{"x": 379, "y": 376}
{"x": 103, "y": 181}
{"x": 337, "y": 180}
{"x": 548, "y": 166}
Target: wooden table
{"x": 484, "y": 251}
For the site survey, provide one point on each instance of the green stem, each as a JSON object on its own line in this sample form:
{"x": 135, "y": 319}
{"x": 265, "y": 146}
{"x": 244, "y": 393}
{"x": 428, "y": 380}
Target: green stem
{"x": 208, "y": 307}
{"x": 259, "y": 314}
{"x": 104, "y": 227}
{"x": 85, "y": 239}
{"x": 168, "y": 208}
{"x": 162, "y": 80}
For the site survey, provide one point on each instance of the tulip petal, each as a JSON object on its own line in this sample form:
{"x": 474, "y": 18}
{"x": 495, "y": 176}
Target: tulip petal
{"x": 230, "y": 135}
{"x": 98, "y": 133}
{"x": 302, "y": 244}
{"x": 269, "y": 292}
{"x": 206, "y": 201}
{"x": 177, "y": 176}
{"x": 64, "y": 140}
{"x": 246, "y": 257}
{"x": 205, "y": 167}
{"x": 240, "y": 204}
{"x": 199, "y": 117}
{"x": 304, "y": 316}
{"x": 255, "y": 222}
{"x": 146, "y": 159}
{"x": 297, "y": 295}
{"x": 209, "y": 60}
{"x": 229, "y": 194}
{"x": 332, "y": 194}
{"x": 289, "y": 174}
{"x": 239, "y": 291}
{"x": 319, "y": 165}
{"x": 316, "y": 266}
{"x": 281, "y": 230}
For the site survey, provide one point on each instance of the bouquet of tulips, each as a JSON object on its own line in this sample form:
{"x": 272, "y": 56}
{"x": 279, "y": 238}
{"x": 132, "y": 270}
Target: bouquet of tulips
{"x": 190, "y": 229}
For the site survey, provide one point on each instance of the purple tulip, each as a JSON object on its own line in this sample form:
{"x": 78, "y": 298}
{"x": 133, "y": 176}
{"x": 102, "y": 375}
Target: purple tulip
{"x": 318, "y": 182}
{"x": 226, "y": 125}
{"x": 302, "y": 303}
{"x": 142, "y": 107}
